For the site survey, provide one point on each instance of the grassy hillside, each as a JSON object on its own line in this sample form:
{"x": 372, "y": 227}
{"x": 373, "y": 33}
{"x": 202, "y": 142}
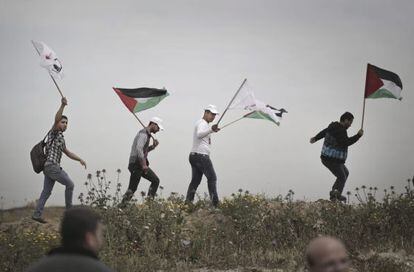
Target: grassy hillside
{"x": 247, "y": 233}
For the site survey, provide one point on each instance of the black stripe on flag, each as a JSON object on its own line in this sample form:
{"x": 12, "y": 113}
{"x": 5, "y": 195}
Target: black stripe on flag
{"x": 142, "y": 92}
{"x": 387, "y": 75}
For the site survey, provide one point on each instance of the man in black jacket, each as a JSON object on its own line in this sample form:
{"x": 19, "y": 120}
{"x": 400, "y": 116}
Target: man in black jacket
{"x": 82, "y": 238}
{"x": 335, "y": 151}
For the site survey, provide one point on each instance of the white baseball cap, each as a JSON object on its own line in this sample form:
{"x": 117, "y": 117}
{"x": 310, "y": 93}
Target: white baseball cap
{"x": 212, "y": 108}
{"x": 158, "y": 121}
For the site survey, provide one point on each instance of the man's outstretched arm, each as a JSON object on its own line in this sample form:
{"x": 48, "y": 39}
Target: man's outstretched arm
{"x": 74, "y": 157}
{"x": 318, "y": 136}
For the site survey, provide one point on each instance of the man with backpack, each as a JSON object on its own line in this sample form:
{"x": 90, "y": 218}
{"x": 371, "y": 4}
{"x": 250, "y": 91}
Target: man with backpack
{"x": 55, "y": 146}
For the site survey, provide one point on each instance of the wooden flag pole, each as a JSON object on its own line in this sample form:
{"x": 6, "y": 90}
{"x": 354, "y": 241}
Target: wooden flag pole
{"x": 231, "y": 101}
{"x": 142, "y": 125}
{"x": 54, "y": 81}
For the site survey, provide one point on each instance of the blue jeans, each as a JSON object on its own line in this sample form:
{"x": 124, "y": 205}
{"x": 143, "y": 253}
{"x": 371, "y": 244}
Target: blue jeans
{"x": 54, "y": 172}
{"x": 201, "y": 164}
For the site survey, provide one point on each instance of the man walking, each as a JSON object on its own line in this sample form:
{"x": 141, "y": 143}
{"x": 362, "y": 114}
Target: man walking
{"x": 55, "y": 146}
{"x": 200, "y": 156}
{"x": 82, "y": 238}
{"x": 138, "y": 160}
{"x": 335, "y": 151}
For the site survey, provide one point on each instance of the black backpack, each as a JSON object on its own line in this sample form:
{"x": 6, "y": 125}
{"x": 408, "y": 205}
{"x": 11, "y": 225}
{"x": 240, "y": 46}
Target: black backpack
{"x": 38, "y": 155}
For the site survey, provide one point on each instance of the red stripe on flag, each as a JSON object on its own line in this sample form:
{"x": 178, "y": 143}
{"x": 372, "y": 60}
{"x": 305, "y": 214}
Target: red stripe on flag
{"x": 373, "y": 82}
{"x": 129, "y": 102}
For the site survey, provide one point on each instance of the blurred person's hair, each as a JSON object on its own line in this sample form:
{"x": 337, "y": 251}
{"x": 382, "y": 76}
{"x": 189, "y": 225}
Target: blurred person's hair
{"x": 76, "y": 223}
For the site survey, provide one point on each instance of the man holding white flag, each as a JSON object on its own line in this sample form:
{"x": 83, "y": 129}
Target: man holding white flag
{"x": 200, "y": 156}
{"x": 55, "y": 146}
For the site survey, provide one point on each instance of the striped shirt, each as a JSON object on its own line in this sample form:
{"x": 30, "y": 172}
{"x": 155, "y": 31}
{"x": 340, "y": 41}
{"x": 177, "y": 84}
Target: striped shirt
{"x": 140, "y": 146}
{"x": 55, "y": 145}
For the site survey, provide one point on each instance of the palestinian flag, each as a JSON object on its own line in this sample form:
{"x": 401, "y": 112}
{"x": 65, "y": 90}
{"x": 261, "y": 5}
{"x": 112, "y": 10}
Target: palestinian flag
{"x": 381, "y": 83}
{"x": 140, "y": 99}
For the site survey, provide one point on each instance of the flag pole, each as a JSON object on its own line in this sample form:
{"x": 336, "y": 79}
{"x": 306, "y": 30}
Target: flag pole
{"x": 142, "y": 124}
{"x": 231, "y": 101}
{"x": 228, "y": 124}
{"x": 54, "y": 81}
{"x": 363, "y": 106}
{"x": 363, "y": 114}
{"x": 57, "y": 86}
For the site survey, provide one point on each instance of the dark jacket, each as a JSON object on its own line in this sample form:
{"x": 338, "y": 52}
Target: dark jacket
{"x": 335, "y": 146}
{"x": 69, "y": 260}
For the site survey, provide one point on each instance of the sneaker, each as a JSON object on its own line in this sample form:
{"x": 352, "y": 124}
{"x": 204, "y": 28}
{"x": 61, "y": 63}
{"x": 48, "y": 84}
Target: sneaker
{"x": 39, "y": 219}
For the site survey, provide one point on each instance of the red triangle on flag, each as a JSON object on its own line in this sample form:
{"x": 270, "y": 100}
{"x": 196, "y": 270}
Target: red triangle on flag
{"x": 129, "y": 102}
{"x": 373, "y": 81}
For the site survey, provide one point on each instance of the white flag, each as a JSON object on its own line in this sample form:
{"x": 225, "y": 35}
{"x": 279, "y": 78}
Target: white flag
{"x": 48, "y": 59}
{"x": 246, "y": 100}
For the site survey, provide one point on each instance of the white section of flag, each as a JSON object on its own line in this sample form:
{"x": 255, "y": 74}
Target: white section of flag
{"x": 246, "y": 100}
{"x": 392, "y": 88}
{"x": 49, "y": 59}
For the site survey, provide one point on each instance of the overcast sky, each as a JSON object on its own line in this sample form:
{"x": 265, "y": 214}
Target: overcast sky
{"x": 306, "y": 56}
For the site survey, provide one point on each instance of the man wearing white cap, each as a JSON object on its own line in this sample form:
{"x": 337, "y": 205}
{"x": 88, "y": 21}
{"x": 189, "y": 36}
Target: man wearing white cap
{"x": 200, "y": 156}
{"x": 138, "y": 162}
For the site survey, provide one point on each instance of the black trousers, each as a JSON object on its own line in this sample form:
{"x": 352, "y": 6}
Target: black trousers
{"x": 136, "y": 174}
{"x": 340, "y": 172}
{"x": 202, "y": 165}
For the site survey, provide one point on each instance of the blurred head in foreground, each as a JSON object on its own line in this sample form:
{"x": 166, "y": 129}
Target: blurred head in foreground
{"x": 327, "y": 254}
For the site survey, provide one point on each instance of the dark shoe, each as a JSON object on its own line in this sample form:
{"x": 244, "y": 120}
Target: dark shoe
{"x": 342, "y": 198}
{"x": 334, "y": 195}
{"x": 39, "y": 219}
{"x": 339, "y": 198}
{"x": 126, "y": 198}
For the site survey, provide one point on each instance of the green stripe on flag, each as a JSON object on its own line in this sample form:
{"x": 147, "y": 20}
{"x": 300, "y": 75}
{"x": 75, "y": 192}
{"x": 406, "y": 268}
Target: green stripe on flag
{"x": 151, "y": 102}
{"x": 260, "y": 115}
{"x": 382, "y": 93}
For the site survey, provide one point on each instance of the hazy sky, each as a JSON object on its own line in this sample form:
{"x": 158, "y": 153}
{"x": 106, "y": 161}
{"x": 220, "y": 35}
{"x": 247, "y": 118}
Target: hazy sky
{"x": 307, "y": 56}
